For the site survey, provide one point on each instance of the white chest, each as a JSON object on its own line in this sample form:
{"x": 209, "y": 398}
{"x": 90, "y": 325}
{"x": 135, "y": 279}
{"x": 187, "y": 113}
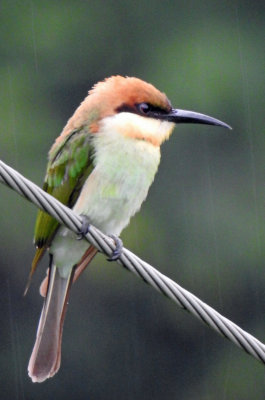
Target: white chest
{"x": 124, "y": 170}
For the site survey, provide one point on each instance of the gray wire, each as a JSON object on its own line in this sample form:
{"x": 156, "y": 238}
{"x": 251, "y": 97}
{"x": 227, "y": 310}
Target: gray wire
{"x": 131, "y": 262}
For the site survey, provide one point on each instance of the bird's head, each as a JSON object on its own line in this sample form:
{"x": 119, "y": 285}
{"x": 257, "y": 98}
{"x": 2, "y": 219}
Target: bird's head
{"x": 135, "y": 109}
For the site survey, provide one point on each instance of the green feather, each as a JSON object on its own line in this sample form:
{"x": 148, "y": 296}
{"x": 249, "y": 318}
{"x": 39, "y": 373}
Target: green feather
{"x": 69, "y": 165}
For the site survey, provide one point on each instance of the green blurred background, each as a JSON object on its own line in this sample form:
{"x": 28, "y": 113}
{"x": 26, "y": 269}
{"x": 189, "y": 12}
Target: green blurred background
{"x": 203, "y": 223}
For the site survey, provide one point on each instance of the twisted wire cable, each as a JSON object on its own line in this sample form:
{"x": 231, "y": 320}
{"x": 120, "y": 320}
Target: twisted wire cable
{"x": 131, "y": 262}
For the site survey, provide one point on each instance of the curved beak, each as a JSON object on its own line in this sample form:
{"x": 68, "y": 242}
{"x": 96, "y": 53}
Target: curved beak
{"x": 192, "y": 117}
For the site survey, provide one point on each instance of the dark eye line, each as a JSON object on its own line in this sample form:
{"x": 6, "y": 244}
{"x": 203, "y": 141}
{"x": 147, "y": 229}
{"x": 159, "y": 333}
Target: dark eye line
{"x": 125, "y": 108}
{"x": 145, "y": 109}
{"x": 149, "y": 109}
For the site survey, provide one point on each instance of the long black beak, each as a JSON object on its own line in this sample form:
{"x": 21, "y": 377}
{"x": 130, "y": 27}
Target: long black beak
{"x": 192, "y": 117}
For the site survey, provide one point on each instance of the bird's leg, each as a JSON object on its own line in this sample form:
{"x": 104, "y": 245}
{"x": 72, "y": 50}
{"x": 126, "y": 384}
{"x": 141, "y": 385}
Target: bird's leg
{"x": 84, "y": 228}
{"x": 118, "y": 242}
{"x": 118, "y": 249}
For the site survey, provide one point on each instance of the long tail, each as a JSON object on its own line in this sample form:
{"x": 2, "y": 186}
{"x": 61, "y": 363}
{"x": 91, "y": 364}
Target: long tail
{"x": 46, "y": 355}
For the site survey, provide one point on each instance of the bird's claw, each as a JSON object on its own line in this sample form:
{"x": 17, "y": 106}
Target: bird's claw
{"x": 118, "y": 249}
{"x": 84, "y": 228}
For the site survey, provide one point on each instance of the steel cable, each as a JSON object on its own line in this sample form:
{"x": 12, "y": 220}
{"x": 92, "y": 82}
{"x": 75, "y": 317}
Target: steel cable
{"x": 131, "y": 262}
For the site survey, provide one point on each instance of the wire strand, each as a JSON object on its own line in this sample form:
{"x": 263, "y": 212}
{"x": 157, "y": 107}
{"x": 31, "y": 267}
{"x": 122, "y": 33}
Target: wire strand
{"x": 134, "y": 264}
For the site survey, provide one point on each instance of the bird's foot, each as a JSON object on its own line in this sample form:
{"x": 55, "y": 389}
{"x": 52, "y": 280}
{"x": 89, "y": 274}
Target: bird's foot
{"x": 118, "y": 249}
{"x": 84, "y": 228}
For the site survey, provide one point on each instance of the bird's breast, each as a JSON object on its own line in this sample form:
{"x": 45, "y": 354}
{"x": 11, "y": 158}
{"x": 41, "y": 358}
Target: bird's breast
{"x": 124, "y": 169}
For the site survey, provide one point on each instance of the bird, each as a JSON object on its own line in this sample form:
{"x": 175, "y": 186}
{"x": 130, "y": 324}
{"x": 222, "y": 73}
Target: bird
{"x": 101, "y": 165}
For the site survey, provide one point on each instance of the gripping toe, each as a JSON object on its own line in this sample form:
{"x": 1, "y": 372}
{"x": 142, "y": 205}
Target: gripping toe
{"x": 84, "y": 228}
{"x": 118, "y": 250}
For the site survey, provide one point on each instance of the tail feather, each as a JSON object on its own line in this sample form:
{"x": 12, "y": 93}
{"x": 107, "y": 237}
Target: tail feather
{"x": 46, "y": 355}
{"x": 38, "y": 256}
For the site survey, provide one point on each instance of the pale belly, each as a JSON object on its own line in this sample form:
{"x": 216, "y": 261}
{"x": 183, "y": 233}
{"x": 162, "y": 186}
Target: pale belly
{"x": 110, "y": 201}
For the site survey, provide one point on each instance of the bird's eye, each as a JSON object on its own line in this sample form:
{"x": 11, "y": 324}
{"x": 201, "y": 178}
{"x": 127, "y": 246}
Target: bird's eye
{"x": 144, "y": 108}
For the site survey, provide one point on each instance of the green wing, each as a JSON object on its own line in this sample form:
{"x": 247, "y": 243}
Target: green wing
{"x": 70, "y": 163}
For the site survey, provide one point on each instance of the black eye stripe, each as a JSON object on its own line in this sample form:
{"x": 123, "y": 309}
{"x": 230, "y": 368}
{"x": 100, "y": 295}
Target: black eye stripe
{"x": 150, "y": 110}
{"x": 126, "y": 108}
{"x": 145, "y": 109}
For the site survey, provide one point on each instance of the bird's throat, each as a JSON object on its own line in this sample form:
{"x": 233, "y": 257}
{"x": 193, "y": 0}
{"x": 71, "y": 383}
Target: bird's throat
{"x": 137, "y": 127}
